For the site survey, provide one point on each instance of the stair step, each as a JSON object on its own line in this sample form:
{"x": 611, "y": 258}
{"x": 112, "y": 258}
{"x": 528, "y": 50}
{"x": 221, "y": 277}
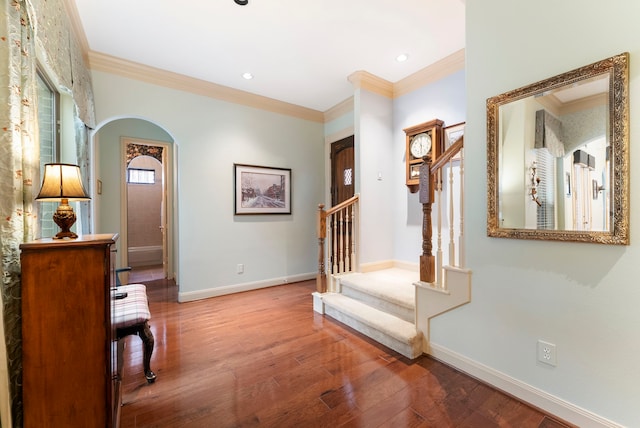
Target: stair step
{"x": 391, "y": 290}
{"x": 382, "y": 327}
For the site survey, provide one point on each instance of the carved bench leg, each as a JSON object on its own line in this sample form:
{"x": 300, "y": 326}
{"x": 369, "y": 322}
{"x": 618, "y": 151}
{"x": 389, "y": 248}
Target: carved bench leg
{"x": 148, "y": 342}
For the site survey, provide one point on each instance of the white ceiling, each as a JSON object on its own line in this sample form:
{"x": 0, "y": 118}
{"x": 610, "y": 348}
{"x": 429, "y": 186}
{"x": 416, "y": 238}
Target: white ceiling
{"x": 300, "y": 51}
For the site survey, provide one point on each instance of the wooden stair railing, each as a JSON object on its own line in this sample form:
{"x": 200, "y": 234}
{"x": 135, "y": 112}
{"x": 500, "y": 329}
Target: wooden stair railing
{"x": 339, "y": 224}
{"x": 430, "y": 265}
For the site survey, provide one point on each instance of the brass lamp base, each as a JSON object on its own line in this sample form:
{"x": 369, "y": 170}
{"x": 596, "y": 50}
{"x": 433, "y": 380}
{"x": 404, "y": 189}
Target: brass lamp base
{"x": 64, "y": 217}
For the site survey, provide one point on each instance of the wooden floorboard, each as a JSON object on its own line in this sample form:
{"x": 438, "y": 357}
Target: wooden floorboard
{"x": 264, "y": 359}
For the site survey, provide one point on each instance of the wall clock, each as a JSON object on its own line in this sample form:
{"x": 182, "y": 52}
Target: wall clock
{"x": 420, "y": 145}
{"x": 424, "y": 144}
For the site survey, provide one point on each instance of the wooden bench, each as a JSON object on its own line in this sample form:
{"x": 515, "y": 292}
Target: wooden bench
{"x": 131, "y": 316}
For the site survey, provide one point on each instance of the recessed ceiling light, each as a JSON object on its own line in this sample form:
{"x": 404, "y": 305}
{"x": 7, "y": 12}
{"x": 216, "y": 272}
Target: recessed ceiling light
{"x": 247, "y": 76}
{"x": 402, "y": 57}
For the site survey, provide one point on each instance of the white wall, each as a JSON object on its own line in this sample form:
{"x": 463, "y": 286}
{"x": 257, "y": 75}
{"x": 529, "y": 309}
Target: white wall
{"x": 374, "y": 178}
{"x": 444, "y": 99}
{"x": 213, "y": 135}
{"x": 584, "y": 298}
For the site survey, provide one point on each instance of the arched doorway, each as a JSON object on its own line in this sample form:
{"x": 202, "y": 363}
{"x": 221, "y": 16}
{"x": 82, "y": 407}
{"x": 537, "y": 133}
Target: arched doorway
{"x": 145, "y": 205}
{"x": 110, "y": 176}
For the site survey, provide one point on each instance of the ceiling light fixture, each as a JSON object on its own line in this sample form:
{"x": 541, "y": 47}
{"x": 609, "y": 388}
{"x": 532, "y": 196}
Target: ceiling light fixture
{"x": 242, "y": 2}
{"x": 247, "y": 76}
{"x": 402, "y": 57}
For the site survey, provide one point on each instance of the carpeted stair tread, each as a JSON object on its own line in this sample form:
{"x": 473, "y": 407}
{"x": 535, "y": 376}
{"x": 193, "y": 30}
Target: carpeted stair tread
{"x": 393, "y": 285}
{"x": 385, "y": 323}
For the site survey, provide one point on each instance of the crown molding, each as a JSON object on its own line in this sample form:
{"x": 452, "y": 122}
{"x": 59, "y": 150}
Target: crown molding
{"x": 365, "y": 80}
{"x": 430, "y": 74}
{"x": 360, "y": 79}
{"x": 339, "y": 110}
{"x": 132, "y": 70}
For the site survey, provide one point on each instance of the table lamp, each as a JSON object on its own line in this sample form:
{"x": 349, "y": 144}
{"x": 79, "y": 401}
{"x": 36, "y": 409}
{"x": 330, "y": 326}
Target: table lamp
{"x": 62, "y": 182}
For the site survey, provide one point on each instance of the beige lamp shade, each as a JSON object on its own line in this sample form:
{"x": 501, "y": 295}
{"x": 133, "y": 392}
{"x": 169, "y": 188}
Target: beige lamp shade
{"x": 62, "y": 181}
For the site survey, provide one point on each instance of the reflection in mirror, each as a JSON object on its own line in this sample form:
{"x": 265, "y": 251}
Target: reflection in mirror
{"x": 557, "y": 157}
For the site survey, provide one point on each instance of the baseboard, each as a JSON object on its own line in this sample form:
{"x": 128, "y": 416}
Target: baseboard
{"x": 415, "y": 267}
{"x": 190, "y": 296}
{"x": 149, "y": 255}
{"x": 527, "y": 393}
{"x": 373, "y": 266}
{"x": 388, "y": 264}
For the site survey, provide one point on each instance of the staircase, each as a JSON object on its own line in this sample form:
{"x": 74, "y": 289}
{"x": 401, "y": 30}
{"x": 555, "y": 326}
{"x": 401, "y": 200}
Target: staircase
{"x": 394, "y": 306}
{"x": 380, "y": 305}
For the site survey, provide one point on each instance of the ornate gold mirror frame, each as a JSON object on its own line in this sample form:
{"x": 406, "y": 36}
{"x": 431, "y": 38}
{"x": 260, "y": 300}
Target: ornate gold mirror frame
{"x": 614, "y": 185}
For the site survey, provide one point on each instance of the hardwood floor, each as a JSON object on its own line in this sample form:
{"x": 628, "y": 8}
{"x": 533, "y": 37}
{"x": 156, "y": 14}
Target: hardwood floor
{"x": 265, "y": 359}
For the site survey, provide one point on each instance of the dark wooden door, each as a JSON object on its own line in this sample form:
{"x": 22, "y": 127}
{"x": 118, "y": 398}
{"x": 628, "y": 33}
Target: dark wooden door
{"x": 342, "y": 188}
{"x": 342, "y": 170}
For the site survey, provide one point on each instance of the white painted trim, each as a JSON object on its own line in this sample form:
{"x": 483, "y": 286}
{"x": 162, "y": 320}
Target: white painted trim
{"x": 132, "y": 70}
{"x": 190, "y": 296}
{"x": 414, "y": 267}
{"x": 388, "y": 264}
{"x": 318, "y": 304}
{"x": 339, "y": 110}
{"x": 373, "y": 266}
{"x": 372, "y": 83}
{"x": 525, "y": 392}
{"x": 436, "y": 71}
{"x": 144, "y": 248}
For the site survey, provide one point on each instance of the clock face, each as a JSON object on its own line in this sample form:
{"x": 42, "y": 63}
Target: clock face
{"x": 420, "y": 145}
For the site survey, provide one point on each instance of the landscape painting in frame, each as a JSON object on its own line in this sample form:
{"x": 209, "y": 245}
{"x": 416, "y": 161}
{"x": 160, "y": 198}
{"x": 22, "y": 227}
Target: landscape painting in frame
{"x": 262, "y": 190}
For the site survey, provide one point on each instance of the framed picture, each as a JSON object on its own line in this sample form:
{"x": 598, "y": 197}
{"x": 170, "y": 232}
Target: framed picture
{"x": 262, "y": 190}
{"x": 452, "y": 134}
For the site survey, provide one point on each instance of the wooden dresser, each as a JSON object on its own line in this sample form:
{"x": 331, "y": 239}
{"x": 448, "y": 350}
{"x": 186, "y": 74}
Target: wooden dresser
{"x": 69, "y": 357}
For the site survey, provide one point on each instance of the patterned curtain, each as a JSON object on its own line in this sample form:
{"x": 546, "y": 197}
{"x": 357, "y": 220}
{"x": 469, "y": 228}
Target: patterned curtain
{"x": 18, "y": 166}
{"x": 82, "y": 149}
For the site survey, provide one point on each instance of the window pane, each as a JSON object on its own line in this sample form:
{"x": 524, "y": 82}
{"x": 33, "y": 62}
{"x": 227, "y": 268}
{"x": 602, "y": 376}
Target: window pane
{"x": 47, "y": 131}
{"x": 141, "y": 176}
{"x": 348, "y": 177}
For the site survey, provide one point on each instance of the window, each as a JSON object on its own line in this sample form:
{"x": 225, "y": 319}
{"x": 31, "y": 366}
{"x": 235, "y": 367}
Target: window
{"x": 348, "y": 177}
{"x": 141, "y": 176}
{"x": 48, "y": 129}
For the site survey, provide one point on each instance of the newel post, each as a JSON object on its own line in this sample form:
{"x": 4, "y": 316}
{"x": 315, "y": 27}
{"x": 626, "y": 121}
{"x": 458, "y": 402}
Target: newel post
{"x": 427, "y": 260}
{"x": 321, "y": 277}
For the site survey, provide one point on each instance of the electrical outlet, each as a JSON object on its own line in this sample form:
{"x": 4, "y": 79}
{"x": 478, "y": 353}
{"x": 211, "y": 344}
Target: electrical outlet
{"x": 547, "y": 353}
{"x": 240, "y": 268}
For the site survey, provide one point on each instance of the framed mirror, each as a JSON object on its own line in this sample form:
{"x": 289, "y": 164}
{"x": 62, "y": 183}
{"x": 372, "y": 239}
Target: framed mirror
{"x": 558, "y": 157}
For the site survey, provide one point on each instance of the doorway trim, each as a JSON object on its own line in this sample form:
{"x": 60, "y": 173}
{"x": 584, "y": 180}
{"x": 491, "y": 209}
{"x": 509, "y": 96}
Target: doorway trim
{"x": 167, "y": 198}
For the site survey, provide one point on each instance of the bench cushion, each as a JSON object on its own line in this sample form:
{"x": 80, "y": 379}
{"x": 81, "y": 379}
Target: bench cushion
{"x": 133, "y": 309}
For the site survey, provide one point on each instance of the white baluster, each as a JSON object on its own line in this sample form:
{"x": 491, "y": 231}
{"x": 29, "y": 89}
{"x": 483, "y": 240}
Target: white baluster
{"x": 438, "y": 188}
{"x": 334, "y": 238}
{"x": 461, "y": 251}
{"x": 341, "y": 241}
{"x": 452, "y": 244}
{"x": 347, "y": 261}
{"x": 353, "y": 238}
